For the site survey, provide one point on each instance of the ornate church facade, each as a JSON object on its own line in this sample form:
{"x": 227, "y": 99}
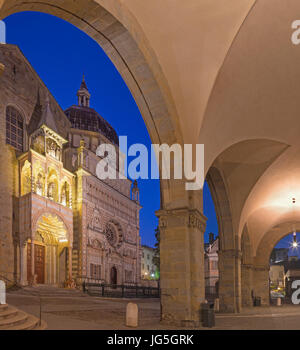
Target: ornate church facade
{"x": 58, "y": 221}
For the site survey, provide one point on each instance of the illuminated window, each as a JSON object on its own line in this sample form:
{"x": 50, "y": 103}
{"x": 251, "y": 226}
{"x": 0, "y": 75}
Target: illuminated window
{"x": 14, "y": 128}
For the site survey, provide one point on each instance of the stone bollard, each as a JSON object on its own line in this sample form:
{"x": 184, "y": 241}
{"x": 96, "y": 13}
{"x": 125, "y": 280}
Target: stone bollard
{"x": 278, "y": 301}
{"x": 2, "y": 293}
{"x": 217, "y": 305}
{"x": 132, "y": 315}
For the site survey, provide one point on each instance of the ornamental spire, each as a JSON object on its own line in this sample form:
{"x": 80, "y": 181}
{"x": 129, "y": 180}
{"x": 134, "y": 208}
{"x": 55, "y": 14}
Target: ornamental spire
{"x": 83, "y": 94}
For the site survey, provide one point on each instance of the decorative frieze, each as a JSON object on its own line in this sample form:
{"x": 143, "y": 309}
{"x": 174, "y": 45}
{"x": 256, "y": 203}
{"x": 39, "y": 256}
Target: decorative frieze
{"x": 181, "y": 217}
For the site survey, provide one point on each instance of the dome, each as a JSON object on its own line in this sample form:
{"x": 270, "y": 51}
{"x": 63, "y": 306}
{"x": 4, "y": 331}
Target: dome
{"x": 84, "y": 117}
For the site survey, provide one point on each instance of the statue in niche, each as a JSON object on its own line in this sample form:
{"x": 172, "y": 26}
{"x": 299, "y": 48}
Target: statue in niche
{"x": 63, "y": 198}
{"x": 39, "y": 185}
{"x": 65, "y": 195}
{"x": 51, "y": 191}
{"x": 53, "y": 149}
{"x": 74, "y": 160}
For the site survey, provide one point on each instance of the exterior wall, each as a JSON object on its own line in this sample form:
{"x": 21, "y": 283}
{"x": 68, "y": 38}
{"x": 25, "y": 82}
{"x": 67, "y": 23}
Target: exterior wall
{"x": 18, "y": 88}
{"x": 148, "y": 267}
{"x": 211, "y": 266}
{"x": 102, "y": 205}
{"x": 276, "y": 275}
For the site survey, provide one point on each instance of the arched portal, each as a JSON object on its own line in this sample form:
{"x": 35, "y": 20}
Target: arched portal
{"x": 48, "y": 253}
{"x": 113, "y": 275}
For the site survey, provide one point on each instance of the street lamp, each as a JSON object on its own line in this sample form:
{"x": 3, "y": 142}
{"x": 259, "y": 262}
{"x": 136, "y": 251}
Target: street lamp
{"x": 295, "y": 243}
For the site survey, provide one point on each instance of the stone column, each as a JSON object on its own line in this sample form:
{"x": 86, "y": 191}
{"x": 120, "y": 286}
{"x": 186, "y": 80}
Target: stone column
{"x": 70, "y": 262}
{"x": 246, "y": 285}
{"x": 230, "y": 280}
{"x": 23, "y": 264}
{"x": 181, "y": 265}
{"x": 261, "y": 283}
{"x": 55, "y": 264}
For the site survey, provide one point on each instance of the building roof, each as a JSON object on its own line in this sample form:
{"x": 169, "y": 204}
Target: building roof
{"x": 86, "y": 118}
{"x": 212, "y": 247}
{"x": 47, "y": 117}
{"x": 147, "y": 247}
{"x": 83, "y": 117}
{"x": 289, "y": 265}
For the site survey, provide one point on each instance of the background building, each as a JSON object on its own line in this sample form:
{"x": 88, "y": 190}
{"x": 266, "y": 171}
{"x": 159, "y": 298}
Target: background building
{"x": 279, "y": 254}
{"x": 277, "y": 276}
{"x": 148, "y": 267}
{"x": 211, "y": 266}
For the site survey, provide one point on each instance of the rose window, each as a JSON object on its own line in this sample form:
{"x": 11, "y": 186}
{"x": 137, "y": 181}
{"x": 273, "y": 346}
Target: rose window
{"x": 111, "y": 235}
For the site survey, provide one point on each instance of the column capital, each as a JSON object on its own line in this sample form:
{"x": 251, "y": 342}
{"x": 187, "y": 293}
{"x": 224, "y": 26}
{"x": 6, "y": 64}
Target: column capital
{"x": 181, "y": 217}
{"x": 247, "y": 266}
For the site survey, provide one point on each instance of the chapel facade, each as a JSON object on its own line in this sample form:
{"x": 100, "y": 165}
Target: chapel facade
{"x": 59, "y": 222}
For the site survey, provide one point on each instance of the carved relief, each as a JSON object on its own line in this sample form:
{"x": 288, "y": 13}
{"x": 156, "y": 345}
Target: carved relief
{"x": 53, "y": 148}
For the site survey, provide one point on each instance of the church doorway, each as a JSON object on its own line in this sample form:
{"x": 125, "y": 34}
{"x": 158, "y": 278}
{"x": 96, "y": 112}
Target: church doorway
{"x": 39, "y": 262}
{"x": 113, "y": 275}
{"x": 49, "y": 255}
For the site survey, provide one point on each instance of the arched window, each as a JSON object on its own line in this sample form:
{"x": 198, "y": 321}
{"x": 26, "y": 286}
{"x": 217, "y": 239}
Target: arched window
{"x": 14, "y": 128}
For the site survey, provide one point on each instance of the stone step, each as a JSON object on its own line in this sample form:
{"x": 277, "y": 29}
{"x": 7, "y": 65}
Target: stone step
{"x": 8, "y": 312}
{"x": 14, "y": 321}
{"x": 49, "y": 292}
{"x": 30, "y": 323}
{"x": 3, "y": 307}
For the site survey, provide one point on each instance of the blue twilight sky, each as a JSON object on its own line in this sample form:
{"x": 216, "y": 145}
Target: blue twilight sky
{"x": 60, "y": 53}
{"x": 287, "y": 241}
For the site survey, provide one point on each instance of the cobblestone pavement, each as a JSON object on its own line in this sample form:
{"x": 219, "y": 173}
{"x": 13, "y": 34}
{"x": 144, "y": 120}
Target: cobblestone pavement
{"x": 92, "y": 313}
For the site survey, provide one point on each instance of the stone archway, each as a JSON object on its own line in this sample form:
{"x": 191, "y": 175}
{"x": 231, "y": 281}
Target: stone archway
{"x": 181, "y": 220}
{"x": 263, "y": 254}
{"x": 232, "y": 179}
{"x": 229, "y": 252}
